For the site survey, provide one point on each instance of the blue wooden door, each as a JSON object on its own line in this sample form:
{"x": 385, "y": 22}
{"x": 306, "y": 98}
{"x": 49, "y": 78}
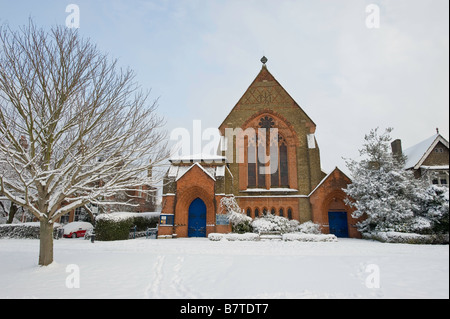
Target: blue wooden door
{"x": 338, "y": 224}
{"x": 197, "y": 219}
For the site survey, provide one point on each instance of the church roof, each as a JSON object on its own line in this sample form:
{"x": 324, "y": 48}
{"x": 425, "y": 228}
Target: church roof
{"x": 336, "y": 169}
{"x": 200, "y": 157}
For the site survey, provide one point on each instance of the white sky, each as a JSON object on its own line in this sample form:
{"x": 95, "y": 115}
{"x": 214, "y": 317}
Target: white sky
{"x": 199, "y": 57}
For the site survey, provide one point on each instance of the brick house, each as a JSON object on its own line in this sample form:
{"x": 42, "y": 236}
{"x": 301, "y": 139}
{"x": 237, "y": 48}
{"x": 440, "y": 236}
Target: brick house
{"x": 140, "y": 198}
{"x": 290, "y": 183}
{"x": 428, "y": 159}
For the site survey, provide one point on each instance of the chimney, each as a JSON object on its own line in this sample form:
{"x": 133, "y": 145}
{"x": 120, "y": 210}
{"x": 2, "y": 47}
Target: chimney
{"x": 397, "y": 148}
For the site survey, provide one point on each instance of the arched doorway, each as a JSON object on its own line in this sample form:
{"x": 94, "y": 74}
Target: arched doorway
{"x": 197, "y": 219}
{"x": 338, "y": 223}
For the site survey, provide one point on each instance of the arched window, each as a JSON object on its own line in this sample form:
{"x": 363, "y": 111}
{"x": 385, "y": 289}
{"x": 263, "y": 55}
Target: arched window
{"x": 257, "y": 147}
{"x": 261, "y": 166}
{"x": 255, "y": 168}
{"x": 265, "y": 211}
{"x": 256, "y": 212}
{"x": 289, "y": 213}
{"x": 280, "y": 175}
{"x": 281, "y": 212}
{"x": 251, "y": 162}
{"x": 283, "y": 158}
{"x": 249, "y": 212}
{"x": 273, "y": 211}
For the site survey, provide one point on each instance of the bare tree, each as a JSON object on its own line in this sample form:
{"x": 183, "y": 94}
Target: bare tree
{"x": 74, "y": 127}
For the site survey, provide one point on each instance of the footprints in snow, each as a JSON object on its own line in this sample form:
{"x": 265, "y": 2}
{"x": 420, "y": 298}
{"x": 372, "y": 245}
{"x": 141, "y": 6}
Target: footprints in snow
{"x": 169, "y": 283}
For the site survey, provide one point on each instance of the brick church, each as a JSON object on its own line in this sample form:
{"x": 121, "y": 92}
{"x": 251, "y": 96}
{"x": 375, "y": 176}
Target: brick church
{"x": 265, "y": 121}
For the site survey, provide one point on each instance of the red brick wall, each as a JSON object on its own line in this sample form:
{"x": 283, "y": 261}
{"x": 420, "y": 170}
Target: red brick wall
{"x": 194, "y": 184}
{"x": 329, "y": 196}
{"x": 270, "y": 202}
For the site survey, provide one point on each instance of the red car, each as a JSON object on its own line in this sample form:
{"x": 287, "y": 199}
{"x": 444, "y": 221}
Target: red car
{"x": 76, "y": 229}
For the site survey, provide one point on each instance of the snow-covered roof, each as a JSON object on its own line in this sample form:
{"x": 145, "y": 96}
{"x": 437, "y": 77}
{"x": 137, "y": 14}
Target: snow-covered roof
{"x": 325, "y": 178}
{"x": 177, "y": 171}
{"x": 417, "y": 154}
{"x": 119, "y": 216}
{"x": 198, "y": 158}
{"x": 184, "y": 169}
{"x": 435, "y": 167}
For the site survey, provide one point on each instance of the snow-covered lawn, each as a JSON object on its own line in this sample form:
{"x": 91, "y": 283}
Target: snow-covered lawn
{"x": 200, "y": 268}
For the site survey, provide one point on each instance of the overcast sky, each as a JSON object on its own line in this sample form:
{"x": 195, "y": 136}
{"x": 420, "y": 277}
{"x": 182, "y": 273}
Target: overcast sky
{"x": 199, "y": 57}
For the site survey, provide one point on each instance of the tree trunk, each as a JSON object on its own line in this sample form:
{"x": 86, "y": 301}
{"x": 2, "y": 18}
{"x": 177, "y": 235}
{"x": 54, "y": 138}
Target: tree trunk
{"x": 46, "y": 243}
{"x": 12, "y": 213}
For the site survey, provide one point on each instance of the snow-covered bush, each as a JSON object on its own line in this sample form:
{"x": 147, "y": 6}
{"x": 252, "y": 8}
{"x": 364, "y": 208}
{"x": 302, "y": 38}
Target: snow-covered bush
{"x": 233, "y": 237}
{"x": 216, "y": 237}
{"x": 240, "y": 222}
{"x": 408, "y": 238}
{"x": 310, "y": 237}
{"x": 433, "y": 212}
{"x": 273, "y": 223}
{"x": 309, "y": 228}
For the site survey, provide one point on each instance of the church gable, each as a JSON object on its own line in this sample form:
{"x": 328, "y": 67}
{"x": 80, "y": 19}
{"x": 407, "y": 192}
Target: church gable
{"x": 266, "y": 93}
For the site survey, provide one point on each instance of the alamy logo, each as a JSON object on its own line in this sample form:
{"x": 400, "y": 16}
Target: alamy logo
{"x": 73, "y": 279}
{"x": 373, "y": 17}
{"x": 373, "y": 279}
{"x": 73, "y": 19}
{"x": 252, "y": 145}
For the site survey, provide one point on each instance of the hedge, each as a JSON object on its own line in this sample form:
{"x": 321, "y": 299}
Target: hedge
{"x": 407, "y": 238}
{"x": 117, "y": 226}
{"x": 23, "y": 231}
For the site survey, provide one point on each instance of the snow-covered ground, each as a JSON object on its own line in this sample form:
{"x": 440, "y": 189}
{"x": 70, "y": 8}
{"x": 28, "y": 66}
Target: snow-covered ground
{"x": 199, "y": 268}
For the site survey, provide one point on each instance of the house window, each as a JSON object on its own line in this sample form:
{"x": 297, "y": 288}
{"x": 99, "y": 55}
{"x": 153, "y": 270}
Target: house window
{"x": 249, "y": 212}
{"x": 440, "y": 179}
{"x": 64, "y": 219}
{"x": 273, "y": 211}
{"x": 281, "y": 212}
{"x": 289, "y": 213}
{"x": 256, "y": 212}
{"x": 80, "y": 214}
